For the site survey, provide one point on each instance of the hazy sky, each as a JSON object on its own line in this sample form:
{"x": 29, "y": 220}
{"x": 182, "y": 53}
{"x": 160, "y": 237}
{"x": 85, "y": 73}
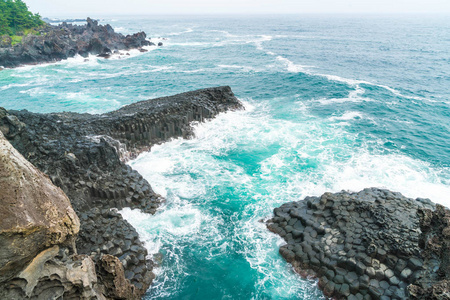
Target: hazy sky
{"x": 83, "y": 8}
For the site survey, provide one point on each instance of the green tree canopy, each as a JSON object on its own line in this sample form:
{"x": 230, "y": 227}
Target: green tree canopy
{"x": 15, "y": 17}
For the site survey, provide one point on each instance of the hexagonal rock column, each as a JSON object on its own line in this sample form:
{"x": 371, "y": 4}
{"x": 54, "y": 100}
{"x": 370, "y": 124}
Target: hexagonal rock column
{"x": 366, "y": 245}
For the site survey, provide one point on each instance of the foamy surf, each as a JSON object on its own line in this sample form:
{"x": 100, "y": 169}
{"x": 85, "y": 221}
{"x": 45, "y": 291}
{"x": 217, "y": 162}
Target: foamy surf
{"x": 279, "y": 161}
{"x": 297, "y": 68}
{"x": 188, "y": 30}
{"x": 324, "y": 112}
{"x": 291, "y": 67}
{"x": 347, "y": 116}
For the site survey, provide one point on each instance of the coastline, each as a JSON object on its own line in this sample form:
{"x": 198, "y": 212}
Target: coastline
{"x": 374, "y": 244}
{"x": 57, "y": 43}
{"x": 85, "y": 156}
{"x": 354, "y": 106}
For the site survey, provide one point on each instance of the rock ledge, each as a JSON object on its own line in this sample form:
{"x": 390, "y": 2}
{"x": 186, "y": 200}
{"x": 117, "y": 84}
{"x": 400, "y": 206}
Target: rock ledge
{"x": 85, "y": 156}
{"x": 374, "y": 244}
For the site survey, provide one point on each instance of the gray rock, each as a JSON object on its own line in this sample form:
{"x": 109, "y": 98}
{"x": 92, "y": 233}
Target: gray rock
{"x": 60, "y": 42}
{"x": 99, "y": 146}
{"x": 366, "y": 243}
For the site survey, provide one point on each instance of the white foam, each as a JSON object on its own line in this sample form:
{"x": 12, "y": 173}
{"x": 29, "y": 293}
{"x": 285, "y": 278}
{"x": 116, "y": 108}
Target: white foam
{"x": 13, "y": 85}
{"x": 348, "y": 115}
{"x": 310, "y": 157}
{"x": 192, "y": 71}
{"x": 291, "y": 67}
{"x": 119, "y": 29}
{"x": 242, "y": 68}
{"x": 296, "y": 68}
{"x": 413, "y": 178}
{"x": 188, "y": 30}
{"x": 226, "y": 33}
{"x": 353, "y": 96}
{"x": 357, "y": 83}
{"x": 190, "y": 44}
{"x": 259, "y": 42}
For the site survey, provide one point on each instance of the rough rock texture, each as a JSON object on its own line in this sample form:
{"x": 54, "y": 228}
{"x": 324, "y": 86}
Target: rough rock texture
{"x": 84, "y": 155}
{"x": 435, "y": 242}
{"x": 34, "y": 214}
{"x": 56, "y": 43}
{"x": 374, "y": 244}
{"x": 37, "y": 230}
{"x": 112, "y": 275}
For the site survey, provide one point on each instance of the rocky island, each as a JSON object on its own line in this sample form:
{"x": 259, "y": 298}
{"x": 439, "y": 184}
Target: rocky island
{"x": 55, "y": 43}
{"x": 84, "y": 156}
{"x": 374, "y": 244}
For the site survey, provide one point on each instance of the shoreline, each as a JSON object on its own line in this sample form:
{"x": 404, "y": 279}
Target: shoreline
{"x": 125, "y": 54}
{"x": 58, "y": 43}
{"x": 374, "y": 244}
{"x": 85, "y": 156}
{"x": 309, "y": 134}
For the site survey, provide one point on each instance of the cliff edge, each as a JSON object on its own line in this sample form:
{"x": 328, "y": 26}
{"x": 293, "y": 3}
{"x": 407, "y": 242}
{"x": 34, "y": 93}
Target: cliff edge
{"x": 37, "y": 225}
{"x": 85, "y": 156}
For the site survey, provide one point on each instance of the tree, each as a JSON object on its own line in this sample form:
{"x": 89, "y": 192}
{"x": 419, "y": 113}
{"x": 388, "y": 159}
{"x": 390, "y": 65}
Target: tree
{"x": 15, "y": 17}
{"x": 4, "y": 25}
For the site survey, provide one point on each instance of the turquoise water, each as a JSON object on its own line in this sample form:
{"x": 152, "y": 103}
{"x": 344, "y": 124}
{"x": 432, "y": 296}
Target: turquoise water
{"x": 332, "y": 103}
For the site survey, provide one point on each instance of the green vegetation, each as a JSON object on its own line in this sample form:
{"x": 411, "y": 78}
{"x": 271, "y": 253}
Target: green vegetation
{"x": 16, "y": 19}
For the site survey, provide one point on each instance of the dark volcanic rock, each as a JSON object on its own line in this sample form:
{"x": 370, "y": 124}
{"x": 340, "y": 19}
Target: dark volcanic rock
{"x": 85, "y": 156}
{"x": 435, "y": 242}
{"x": 66, "y": 40}
{"x": 374, "y": 244}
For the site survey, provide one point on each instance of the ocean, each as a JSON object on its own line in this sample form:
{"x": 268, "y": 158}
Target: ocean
{"x": 332, "y": 102}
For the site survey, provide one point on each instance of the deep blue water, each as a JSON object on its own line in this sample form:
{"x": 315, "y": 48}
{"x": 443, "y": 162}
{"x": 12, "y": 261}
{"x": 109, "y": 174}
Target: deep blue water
{"x": 332, "y": 103}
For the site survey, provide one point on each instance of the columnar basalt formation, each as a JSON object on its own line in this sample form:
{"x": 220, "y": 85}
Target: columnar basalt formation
{"x": 85, "y": 156}
{"x": 60, "y": 42}
{"x": 374, "y": 244}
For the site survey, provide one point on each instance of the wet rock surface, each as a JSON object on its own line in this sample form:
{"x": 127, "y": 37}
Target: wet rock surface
{"x": 60, "y": 42}
{"x": 85, "y": 156}
{"x": 374, "y": 244}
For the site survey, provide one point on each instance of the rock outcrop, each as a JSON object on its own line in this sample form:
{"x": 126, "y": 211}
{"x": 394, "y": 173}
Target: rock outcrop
{"x": 37, "y": 231}
{"x": 374, "y": 244}
{"x": 85, "y": 156}
{"x": 56, "y": 43}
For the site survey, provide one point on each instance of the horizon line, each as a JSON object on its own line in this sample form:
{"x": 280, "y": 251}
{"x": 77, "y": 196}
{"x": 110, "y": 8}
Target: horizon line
{"x": 77, "y": 15}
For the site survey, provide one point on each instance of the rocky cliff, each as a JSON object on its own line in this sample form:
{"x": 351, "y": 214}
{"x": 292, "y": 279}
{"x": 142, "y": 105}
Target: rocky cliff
{"x": 85, "y": 156}
{"x": 56, "y": 43}
{"x": 37, "y": 231}
{"x": 375, "y": 244}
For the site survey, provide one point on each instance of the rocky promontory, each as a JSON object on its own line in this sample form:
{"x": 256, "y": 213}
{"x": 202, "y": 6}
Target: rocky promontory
{"x": 374, "y": 244}
{"x": 55, "y": 43}
{"x": 85, "y": 156}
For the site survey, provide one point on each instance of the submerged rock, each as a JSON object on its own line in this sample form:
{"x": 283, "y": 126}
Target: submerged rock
{"x": 85, "y": 156}
{"x": 374, "y": 244}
